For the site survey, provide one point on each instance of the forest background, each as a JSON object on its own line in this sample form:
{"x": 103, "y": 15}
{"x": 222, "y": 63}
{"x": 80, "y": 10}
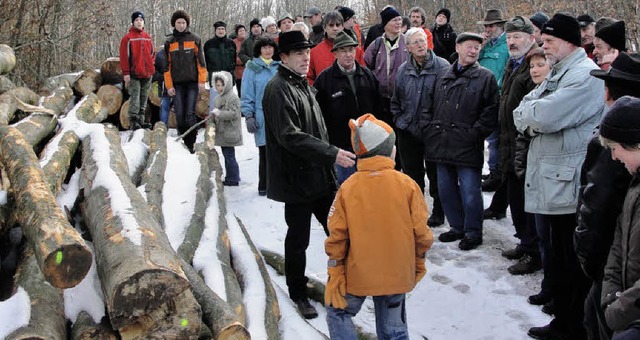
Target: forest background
{"x": 52, "y": 37}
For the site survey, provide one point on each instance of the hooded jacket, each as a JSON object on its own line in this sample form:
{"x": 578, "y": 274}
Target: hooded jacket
{"x": 228, "y": 125}
{"x": 137, "y": 54}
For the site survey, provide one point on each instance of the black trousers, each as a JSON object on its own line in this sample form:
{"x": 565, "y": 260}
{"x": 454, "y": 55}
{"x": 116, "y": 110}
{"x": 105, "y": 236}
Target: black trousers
{"x": 524, "y": 222}
{"x": 262, "y": 168}
{"x": 594, "y": 320}
{"x": 298, "y": 219}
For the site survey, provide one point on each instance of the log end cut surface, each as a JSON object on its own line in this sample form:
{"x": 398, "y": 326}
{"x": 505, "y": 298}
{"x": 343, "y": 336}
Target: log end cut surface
{"x": 67, "y": 266}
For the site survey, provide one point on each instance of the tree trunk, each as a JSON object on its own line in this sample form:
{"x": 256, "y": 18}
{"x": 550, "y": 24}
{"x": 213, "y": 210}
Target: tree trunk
{"x": 9, "y": 104}
{"x": 47, "y": 319}
{"x": 111, "y": 98}
{"x": 56, "y": 156}
{"x": 111, "y": 71}
{"x": 86, "y": 329}
{"x": 87, "y": 82}
{"x": 55, "y": 82}
{"x": 154, "y": 95}
{"x": 217, "y": 314}
{"x": 62, "y": 255}
{"x": 7, "y": 59}
{"x": 6, "y": 84}
{"x": 315, "y": 288}
{"x": 153, "y": 175}
{"x": 36, "y": 127}
{"x": 137, "y": 267}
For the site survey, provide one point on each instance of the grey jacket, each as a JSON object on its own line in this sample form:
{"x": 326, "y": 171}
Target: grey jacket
{"x": 622, "y": 273}
{"x": 561, "y": 116}
{"x": 228, "y": 126}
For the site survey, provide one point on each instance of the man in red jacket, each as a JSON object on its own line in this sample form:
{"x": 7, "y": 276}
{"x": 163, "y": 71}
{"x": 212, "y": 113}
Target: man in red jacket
{"x": 136, "y": 59}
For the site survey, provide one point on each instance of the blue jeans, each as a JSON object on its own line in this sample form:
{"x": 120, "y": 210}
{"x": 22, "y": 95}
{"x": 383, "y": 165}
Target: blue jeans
{"x": 391, "y": 318}
{"x": 231, "y": 169}
{"x": 632, "y": 333}
{"x": 184, "y": 106}
{"x": 165, "y": 107}
{"x": 460, "y": 192}
{"x": 494, "y": 151}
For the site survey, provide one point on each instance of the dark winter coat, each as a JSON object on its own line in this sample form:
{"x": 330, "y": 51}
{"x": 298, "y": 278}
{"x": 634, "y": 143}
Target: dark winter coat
{"x": 246, "y": 49}
{"x": 413, "y": 94}
{"x": 374, "y": 32}
{"x": 515, "y": 85}
{"x": 465, "y": 112}
{"x": 339, "y": 104}
{"x": 160, "y": 66}
{"x": 622, "y": 273}
{"x": 317, "y": 34}
{"x": 444, "y": 41}
{"x": 603, "y": 185}
{"x": 137, "y": 54}
{"x": 220, "y": 55}
{"x": 185, "y": 58}
{"x": 299, "y": 157}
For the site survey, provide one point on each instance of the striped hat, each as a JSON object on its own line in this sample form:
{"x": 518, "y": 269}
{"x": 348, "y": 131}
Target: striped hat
{"x": 371, "y": 137}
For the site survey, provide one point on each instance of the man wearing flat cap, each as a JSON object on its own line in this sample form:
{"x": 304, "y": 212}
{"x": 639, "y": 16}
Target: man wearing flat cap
{"x": 465, "y": 111}
{"x": 560, "y": 116}
{"x": 603, "y": 185}
{"x": 610, "y": 40}
{"x": 300, "y": 168}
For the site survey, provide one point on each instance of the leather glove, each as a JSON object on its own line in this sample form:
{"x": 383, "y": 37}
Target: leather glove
{"x": 252, "y": 125}
{"x": 336, "y": 288}
{"x": 421, "y": 270}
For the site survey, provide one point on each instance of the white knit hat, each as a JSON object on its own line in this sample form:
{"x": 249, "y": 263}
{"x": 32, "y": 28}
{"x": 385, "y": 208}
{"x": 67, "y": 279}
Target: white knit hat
{"x": 267, "y": 21}
{"x": 371, "y": 137}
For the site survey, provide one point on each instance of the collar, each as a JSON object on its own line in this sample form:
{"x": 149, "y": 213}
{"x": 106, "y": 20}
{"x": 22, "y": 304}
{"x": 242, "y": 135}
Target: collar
{"x": 375, "y": 163}
{"x": 291, "y": 74}
{"x": 496, "y": 40}
{"x": 353, "y": 69}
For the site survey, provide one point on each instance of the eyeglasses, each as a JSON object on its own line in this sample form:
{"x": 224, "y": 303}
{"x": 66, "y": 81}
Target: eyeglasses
{"x": 418, "y": 42}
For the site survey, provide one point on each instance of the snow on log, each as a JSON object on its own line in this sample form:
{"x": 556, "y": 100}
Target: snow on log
{"x": 60, "y": 251}
{"x": 37, "y": 126}
{"x": 111, "y": 98}
{"x": 85, "y": 328}
{"x": 6, "y": 84}
{"x": 47, "y": 319}
{"x": 138, "y": 269}
{"x": 136, "y": 151}
{"x": 315, "y": 288}
{"x": 87, "y": 82}
{"x": 7, "y": 59}
{"x": 10, "y": 102}
{"x": 263, "y": 312}
{"x": 111, "y": 71}
{"x": 153, "y": 175}
{"x": 52, "y": 83}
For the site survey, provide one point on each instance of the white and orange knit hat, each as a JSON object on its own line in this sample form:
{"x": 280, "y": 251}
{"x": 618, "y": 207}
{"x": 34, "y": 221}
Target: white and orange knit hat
{"x": 371, "y": 137}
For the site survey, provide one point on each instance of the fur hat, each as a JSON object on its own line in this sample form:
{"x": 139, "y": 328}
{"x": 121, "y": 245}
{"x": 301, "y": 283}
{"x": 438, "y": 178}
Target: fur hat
{"x": 136, "y": 15}
{"x": 371, "y": 137}
{"x": 180, "y": 14}
{"x": 563, "y": 26}
{"x": 446, "y": 12}
{"x": 388, "y": 14}
{"x": 622, "y": 122}
{"x": 614, "y": 35}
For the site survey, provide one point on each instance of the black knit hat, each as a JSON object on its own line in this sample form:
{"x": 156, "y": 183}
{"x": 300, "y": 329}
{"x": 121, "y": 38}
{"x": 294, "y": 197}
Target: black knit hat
{"x": 614, "y": 35}
{"x": 219, "y": 24}
{"x": 563, "y": 26}
{"x": 621, "y": 123}
{"x": 136, "y": 15}
{"x": 180, "y": 14}
{"x": 347, "y": 13}
{"x": 253, "y": 22}
{"x": 539, "y": 19}
{"x": 446, "y": 12}
{"x": 388, "y": 14}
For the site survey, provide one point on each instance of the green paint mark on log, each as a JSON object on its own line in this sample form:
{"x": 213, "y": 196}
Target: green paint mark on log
{"x": 59, "y": 257}
{"x": 184, "y": 323}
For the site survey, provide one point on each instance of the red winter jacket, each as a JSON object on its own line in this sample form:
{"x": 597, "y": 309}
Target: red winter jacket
{"x": 137, "y": 54}
{"x": 322, "y": 58}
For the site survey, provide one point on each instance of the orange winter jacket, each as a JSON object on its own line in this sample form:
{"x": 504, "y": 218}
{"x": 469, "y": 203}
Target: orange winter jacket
{"x": 378, "y": 226}
{"x": 322, "y": 58}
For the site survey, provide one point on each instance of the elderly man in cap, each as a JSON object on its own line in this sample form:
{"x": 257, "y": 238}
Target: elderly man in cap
{"x": 315, "y": 17}
{"x": 603, "y": 185}
{"x": 494, "y": 56}
{"x": 609, "y": 42}
{"x": 300, "y": 168}
{"x": 560, "y": 116}
{"x": 346, "y": 90}
{"x": 538, "y": 19}
{"x": 465, "y": 111}
{"x": 587, "y": 33}
{"x": 412, "y": 102}
{"x": 444, "y": 37}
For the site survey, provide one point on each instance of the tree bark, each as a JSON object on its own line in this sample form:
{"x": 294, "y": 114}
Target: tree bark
{"x": 111, "y": 71}
{"x": 55, "y": 82}
{"x": 111, "y": 98}
{"x": 47, "y": 319}
{"x": 6, "y": 84}
{"x": 216, "y": 313}
{"x": 87, "y": 82}
{"x": 9, "y": 104}
{"x": 137, "y": 267}
{"x": 315, "y": 288}
{"x": 153, "y": 175}
{"x": 7, "y": 59}
{"x": 62, "y": 255}
{"x": 86, "y": 329}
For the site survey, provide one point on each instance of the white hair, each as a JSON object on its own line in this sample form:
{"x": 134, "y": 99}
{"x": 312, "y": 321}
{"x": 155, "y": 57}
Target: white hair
{"x": 301, "y": 26}
{"x": 412, "y": 31}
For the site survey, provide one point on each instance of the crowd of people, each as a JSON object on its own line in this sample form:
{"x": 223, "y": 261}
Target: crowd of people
{"x": 339, "y": 117}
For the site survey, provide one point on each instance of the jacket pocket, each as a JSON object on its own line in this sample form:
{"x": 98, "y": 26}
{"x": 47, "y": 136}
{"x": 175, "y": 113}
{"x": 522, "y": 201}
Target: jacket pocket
{"x": 231, "y": 134}
{"x": 559, "y": 186}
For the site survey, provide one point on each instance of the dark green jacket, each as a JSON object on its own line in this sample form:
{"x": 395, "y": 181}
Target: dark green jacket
{"x": 220, "y": 55}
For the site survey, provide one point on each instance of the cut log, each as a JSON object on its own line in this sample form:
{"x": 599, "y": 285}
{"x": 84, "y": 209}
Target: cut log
{"x": 111, "y": 98}
{"x": 153, "y": 175}
{"x": 111, "y": 71}
{"x": 194, "y": 230}
{"x": 124, "y": 115}
{"x": 50, "y": 84}
{"x": 86, "y": 329}
{"x": 271, "y": 315}
{"x": 202, "y": 105}
{"x": 179, "y": 318}
{"x": 10, "y": 102}
{"x": 38, "y": 126}
{"x": 315, "y": 288}
{"x": 57, "y": 154}
{"x": 62, "y": 255}
{"x": 7, "y": 59}
{"x": 137, "y": 267}
{"x": 87, "y": 82}
{"x": 47, "y": 319}
{"x": 154, "y": 96}
{"x": 216, "y": 313}
{"x": 6, "y": 84}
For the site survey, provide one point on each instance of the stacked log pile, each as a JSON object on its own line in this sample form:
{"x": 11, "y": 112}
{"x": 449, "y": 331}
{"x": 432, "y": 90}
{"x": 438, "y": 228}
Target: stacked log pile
{"x": 150, "y": 289}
